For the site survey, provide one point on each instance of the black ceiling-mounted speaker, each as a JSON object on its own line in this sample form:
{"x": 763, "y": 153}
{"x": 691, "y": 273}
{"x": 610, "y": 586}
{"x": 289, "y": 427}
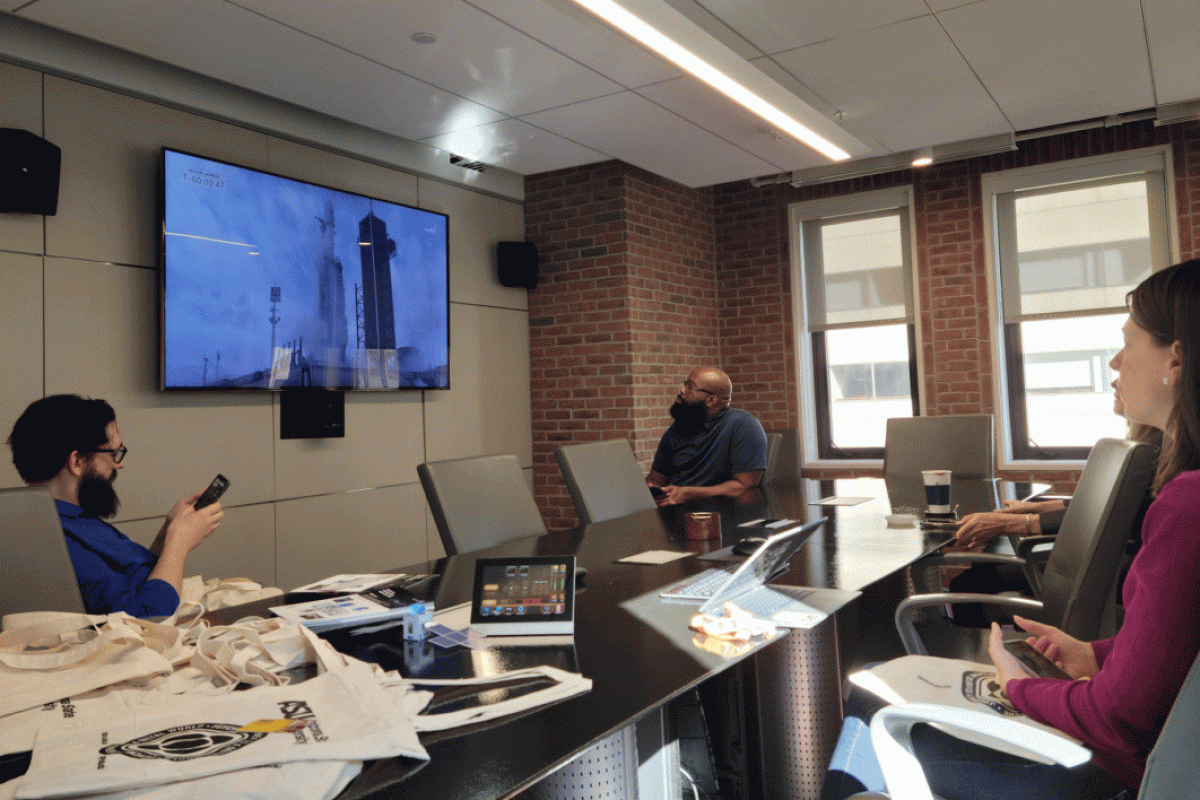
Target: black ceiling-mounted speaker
{"x": 517, "y": 264}
{"x": 28, "y": 173}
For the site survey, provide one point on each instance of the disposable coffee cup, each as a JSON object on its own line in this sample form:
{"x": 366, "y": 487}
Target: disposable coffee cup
{"x": 937, "y": 490}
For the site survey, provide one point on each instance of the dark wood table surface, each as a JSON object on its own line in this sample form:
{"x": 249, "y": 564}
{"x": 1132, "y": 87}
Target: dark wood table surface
{"x": 638, "y": 651}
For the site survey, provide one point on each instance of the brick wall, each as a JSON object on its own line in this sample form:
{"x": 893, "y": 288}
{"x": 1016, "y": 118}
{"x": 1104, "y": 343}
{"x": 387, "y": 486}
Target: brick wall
{"x": 643, "y": 279}
{"x": 625, "y": 306}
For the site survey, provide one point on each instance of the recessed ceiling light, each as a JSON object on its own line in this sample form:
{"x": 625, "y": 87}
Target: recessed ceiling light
{"x": 922, "y": 157}
{"x": 423, "y": 38}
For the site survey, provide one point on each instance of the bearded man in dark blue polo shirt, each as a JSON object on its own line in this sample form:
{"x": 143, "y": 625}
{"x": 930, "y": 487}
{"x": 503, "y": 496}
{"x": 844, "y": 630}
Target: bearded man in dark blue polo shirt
{"x": 710, "y": 449}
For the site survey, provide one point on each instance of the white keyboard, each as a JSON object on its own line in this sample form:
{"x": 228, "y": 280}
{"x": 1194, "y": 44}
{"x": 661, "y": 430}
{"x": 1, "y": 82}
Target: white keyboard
{"x": 701, "y": 586}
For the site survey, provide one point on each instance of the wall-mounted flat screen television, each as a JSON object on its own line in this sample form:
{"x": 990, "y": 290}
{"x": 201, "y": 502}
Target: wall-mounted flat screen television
{"x": 272, "y": 283}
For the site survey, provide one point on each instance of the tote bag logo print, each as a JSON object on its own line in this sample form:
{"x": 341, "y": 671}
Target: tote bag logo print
{"x": 186, "y": 742}
{"x": 981, "y": 687}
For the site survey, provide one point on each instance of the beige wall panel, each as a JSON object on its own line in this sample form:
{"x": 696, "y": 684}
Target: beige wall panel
{"x": 108, "y": 199}
{"x": 21, "y": 333}
{"x": 352, "y": 532}
{"x": 102, "y": 341}
{"x": 384, "y": 443}
{"x": 477, "y": 223}
{"x": 21, "y": 107}
{"x": 314, "y": 165}
{"x": 486, "y": 409}
{"x": 243, "y": 547}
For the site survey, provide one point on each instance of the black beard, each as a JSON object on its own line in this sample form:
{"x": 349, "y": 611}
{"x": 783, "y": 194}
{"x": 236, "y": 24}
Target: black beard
{"x": 689, "y": 419}
{"x": 97, "y": 497}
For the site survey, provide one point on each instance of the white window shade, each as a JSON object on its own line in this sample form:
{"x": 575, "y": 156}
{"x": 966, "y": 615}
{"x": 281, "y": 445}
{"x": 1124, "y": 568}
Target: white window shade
{"x": 1079, "y": 248}
{"x": 857, "y": 273}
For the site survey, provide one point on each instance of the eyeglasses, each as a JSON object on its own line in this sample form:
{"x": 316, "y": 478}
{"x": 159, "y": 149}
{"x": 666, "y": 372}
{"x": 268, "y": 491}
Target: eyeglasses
{"x": 688, "y": 386}
{"x": 118, "y": 454}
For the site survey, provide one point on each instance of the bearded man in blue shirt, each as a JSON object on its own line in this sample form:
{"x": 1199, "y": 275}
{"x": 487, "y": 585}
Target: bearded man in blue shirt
{"x": 711, "y": 449}
{"x": 72, "y": 446}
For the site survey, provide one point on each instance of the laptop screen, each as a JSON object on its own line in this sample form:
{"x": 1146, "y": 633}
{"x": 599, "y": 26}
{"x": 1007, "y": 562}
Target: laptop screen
{"x": 769, "y": 557}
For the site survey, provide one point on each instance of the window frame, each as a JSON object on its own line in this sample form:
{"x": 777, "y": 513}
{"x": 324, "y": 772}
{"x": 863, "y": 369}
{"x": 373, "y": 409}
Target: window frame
{"x": 1009, "y": 390}
{"x": 817, "y": 450}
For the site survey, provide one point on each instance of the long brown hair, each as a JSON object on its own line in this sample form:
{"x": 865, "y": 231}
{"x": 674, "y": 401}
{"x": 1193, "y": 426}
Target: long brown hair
{"x": 1167, "y": 306}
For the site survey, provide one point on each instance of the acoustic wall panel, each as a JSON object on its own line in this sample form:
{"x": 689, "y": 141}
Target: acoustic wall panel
{"x": 477, "y": 223}
{"x": 486, "y": 409}
{"x": 21, "y": 288}
{"x": 349, "y": 532}
{"x": 21, "y": 107}
{"x": 243, "y": 547}
{"x": 101, "y": 341}
{"x": 111, "y": 143}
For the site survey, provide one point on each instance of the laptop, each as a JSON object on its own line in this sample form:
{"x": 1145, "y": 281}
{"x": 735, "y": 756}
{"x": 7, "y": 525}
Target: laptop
{"x": 721, "y": 584}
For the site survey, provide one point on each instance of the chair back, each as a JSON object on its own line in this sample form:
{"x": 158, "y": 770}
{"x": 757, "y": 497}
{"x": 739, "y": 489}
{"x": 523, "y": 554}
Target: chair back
{"x": 35, "y": 566}
{"x": 479, "y": 502}
{"x": 774, "y": 444}
{"x": 604, "y": 479}
{"x": 1087, "y": 553}
{"x": 961, "y": 443}
{"x": 1172, "y": 770}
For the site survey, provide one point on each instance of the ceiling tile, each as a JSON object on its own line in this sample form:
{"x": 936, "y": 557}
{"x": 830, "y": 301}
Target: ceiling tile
{"x": 576, "y": 33}
{"x": 692, "y": 100}
{"x": 476, "y": 55}
{"x": 905, "y": 85}
{"x": 1069, "y": 66}
{"x": 229, "y": 43}
{"x": 1173, "y": 29}
{"x": 516, "y": 146}
{"x": 777, "y": 25}
{"x": 675, "y": 148}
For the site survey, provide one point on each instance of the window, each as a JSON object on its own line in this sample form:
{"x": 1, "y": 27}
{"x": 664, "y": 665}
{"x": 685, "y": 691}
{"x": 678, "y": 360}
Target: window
{"x": 853, "y": 258}
{"x": 1069, "y": 243}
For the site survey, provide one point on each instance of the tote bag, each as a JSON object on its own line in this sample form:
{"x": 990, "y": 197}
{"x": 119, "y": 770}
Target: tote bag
{"x": 949, "y": 682}
{"x": 69, "y": 654}
{"x": 338, "y": 716}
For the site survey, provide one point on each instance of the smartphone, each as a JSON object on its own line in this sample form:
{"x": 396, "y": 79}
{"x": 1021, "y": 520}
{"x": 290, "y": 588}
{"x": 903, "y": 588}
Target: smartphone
{"x": 1034, "y": 662}
{"x": 656, "y": 492}
{"x": 213, "y": 492}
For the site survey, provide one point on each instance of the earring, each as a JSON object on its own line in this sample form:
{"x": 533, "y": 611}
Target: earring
{"x": 1166, "y": 381}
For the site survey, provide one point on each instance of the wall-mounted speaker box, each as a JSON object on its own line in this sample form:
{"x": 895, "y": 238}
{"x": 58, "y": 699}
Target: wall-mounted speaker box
{"x": 28, "y": 173}
{"x": 312, "y": 413}
{"x": 517, "y": 264}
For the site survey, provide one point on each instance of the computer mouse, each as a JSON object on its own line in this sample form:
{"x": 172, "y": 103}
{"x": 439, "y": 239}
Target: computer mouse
{"x": 748, "y": 545}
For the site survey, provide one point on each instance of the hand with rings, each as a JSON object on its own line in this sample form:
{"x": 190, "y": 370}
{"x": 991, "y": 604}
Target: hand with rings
{"x": 979, "y": 529}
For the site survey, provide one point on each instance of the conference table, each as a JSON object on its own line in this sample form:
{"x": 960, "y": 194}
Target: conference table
{"x": 637, "y": 649}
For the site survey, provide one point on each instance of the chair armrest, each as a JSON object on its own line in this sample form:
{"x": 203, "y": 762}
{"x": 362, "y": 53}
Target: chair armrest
{"x": 891, "y": 736}
{"x": 904, "y": 612}
{"x": 951, "y": 559}
{"x": 1026, "y": 544}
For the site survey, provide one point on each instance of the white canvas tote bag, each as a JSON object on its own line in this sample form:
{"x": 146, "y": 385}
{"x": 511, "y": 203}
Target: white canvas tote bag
{"x": 341, "y": 716}
{"x": 949, "y": 682}
{"x": 70, "y": 654}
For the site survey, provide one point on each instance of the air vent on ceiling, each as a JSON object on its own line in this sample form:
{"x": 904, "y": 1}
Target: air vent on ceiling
{"x": 478, "y": 166}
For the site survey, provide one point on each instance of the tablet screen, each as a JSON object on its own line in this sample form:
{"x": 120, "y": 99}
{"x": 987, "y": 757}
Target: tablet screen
{"x": 524, "y": 595}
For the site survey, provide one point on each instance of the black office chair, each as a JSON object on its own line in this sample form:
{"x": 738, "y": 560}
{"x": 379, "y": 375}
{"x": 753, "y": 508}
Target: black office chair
{"x": 479, "y": 502}
{"x": 35, "y": 567}
{"x": 1172, "y": 769}
{"x": 961, "y": 443}
{"x": 774, "y": 444}
{"x": 1079, "y": 573}
{"x": 604, "y": 479}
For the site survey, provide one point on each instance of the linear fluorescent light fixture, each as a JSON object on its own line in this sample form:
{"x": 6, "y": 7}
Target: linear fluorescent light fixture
{"x": 683, "y": 43}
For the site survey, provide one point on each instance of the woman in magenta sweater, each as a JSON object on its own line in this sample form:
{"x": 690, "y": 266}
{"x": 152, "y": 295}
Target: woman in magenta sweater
{"x": 1124, "y": 686}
